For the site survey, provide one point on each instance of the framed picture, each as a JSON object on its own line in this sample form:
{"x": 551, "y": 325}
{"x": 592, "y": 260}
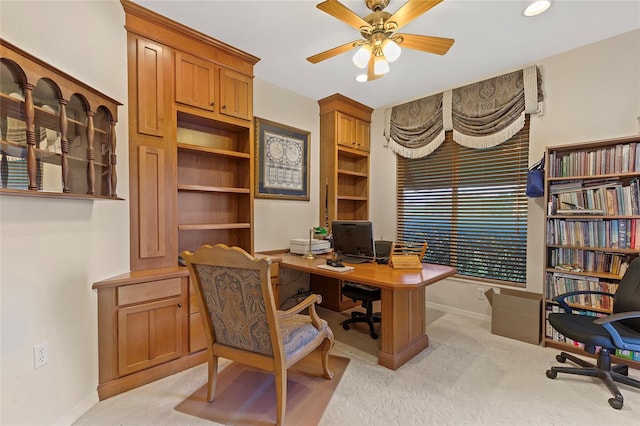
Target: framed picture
{"x": 282, "y": 166}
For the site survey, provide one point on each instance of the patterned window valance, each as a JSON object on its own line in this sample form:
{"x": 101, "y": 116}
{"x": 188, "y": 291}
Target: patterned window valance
{"x": 481, "y": 115}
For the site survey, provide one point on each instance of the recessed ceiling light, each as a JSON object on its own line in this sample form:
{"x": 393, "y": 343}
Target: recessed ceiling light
{"x": 537, "y": 7}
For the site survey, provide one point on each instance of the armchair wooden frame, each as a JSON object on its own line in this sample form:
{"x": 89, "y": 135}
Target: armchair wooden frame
{"x": 277, "y": 355}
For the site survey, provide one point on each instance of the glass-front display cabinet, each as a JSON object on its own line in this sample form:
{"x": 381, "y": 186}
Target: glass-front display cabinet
{"x": 57, "y": 134}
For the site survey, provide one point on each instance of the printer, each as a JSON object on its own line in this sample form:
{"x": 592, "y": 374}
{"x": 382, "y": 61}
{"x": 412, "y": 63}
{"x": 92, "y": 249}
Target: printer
{"x": 301, "y": 246}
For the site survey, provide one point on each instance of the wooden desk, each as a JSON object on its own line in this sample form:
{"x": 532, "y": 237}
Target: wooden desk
{"x": 403, "y": 326}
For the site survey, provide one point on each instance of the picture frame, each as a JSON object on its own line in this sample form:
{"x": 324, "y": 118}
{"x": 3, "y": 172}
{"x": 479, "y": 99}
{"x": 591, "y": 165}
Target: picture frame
{"x": 282, "y": 161}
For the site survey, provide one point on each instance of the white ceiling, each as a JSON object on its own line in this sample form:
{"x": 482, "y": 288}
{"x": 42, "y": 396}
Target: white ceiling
{"x": 492, "y": 37}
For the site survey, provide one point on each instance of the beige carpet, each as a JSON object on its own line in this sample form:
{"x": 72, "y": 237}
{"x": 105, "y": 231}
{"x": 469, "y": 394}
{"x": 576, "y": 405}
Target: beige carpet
{"x": 247, "y": 396}
{"x": 467, "y": 376}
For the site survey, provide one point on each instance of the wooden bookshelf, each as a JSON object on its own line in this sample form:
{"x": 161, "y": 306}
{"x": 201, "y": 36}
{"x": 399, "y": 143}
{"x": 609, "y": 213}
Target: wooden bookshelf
{"x": 592, "y": 226}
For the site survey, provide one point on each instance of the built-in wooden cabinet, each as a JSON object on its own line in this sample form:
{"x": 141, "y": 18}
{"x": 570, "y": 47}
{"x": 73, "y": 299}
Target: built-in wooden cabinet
{"x": 149, "y": 60}
{"x": 202, "y": 84}
{"x": 191, "y": 183}
{"x": 592, "y": 227}
{"x": 150, "y": 323}
{"x": 236, "y": 94}
{"x": 331, "y": 291}
{"x": 352, "y": 132}
{"x": 143, "y": 328}
{"x": 344, "y": 159}
{"x": 57, "y": 135}
{"x": 215, "y": 178}
{"x": 195, "y": 81}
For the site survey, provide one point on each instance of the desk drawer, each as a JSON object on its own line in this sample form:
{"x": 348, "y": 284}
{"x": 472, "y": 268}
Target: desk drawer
{"x": 138, "y": 293}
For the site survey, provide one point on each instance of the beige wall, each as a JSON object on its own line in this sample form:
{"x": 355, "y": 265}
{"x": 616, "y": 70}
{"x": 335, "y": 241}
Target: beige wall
{"x": 277, "y": 221}
{"x": 51, "y": 251}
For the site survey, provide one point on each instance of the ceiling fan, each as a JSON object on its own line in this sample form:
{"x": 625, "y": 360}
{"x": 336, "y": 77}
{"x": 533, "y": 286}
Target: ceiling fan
{"x": 380, "y": 44}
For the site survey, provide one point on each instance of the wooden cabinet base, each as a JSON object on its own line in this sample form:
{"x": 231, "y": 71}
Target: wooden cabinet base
{"x": 131, "y": 381}
{"x": 331, "y": 291}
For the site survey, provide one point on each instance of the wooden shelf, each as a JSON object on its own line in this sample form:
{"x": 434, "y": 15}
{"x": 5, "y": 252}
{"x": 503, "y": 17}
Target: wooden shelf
{"x": 352, "y": 152}
{"x": 202, "y": 226}
{"x": 202, "y": 188}
{"x": 601, "y": 249}
{"x": 214, "y": 151}
{"x": 352, "y": 173}
{"x": 583, "y": 307}
{"x": 603, "y": 275}
{"x": 351, "y": 198}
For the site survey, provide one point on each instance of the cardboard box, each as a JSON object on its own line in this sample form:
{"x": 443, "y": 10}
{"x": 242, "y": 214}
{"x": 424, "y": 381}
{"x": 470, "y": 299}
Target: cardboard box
{"x": 301, "y": 246}
{"x": 516, "y": 314}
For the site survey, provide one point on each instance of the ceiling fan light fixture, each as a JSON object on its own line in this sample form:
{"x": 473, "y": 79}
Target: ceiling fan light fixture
{"x": 362, "y": 78}
{"x": 537, "y": 7}
{"x": 380, "y": 65}
{"x": 362, "y": 55}
{"x": 391, "y": 50}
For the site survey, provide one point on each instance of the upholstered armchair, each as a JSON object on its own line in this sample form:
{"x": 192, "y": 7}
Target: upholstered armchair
{"x": 241, "y": 320}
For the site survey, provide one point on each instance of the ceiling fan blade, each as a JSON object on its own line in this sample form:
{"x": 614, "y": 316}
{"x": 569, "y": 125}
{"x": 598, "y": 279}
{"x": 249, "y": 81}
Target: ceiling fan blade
{"x": 430, "y": 44}
{"x": 330, "y": 53}
{"x": 411, "y": 10}
{"x": 370, "y": 74}
{"x": 343, "y": 13}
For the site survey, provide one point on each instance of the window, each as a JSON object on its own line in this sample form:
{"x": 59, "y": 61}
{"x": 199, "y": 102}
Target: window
{"x": 470, "y": 206}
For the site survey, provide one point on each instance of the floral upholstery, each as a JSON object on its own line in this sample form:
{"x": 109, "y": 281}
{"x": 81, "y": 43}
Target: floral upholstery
{"x": 234, "y": 299}
{"x": 298, "y": 332}
{"x": 235, "y": 302}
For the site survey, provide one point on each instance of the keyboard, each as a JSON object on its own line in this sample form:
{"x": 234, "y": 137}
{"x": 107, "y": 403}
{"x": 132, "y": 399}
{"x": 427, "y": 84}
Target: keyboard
{"x": 354, "y": 259}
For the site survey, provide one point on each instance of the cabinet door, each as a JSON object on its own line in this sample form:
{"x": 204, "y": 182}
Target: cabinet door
{"x": 235, "y": 94}
{"x": 151, "y": 203}
{"x": 149, "y": 334}
{"x": 362, "y": 135}
{"x": 195, "y": 81}
{"x": 150, "y": 80}
{"x": 346, "y": 130}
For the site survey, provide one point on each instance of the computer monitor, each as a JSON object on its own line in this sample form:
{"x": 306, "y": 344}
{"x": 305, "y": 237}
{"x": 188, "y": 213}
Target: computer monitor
{"x": 353, "y": 240}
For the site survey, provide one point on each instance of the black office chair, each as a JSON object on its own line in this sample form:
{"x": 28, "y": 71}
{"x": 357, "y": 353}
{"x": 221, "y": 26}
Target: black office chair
{"x": 366, "y": 294}
{"x": 621, "y": 330}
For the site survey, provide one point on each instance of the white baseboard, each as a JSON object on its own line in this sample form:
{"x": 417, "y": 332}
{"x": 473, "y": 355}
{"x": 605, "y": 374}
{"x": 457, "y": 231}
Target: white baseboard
{"x": 71, "y": 416}
{"x": 458, "y": 311}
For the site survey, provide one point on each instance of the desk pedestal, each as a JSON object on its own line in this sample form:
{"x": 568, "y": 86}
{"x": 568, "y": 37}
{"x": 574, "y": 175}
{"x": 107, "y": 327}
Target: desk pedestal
{"x": 403, "y": 326}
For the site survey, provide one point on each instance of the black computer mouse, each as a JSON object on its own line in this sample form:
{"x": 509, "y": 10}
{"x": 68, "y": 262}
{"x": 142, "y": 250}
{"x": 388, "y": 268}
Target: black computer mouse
{"x": 334, "y": 263}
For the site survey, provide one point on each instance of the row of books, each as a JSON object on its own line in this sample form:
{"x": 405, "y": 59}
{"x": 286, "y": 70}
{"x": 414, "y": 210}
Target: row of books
{"x": 558, "y": 283}
{"x": 609, "y": 233}
{"x": 587, "y": 261}
{"x": 596, "y": 198}
{"x": 621, "y": 158}
{"x": 552, "y": 333}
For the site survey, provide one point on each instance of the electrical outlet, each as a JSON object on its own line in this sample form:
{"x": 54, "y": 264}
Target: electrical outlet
{"x": 40, "y": 355}
{"x": 480, "y": 294}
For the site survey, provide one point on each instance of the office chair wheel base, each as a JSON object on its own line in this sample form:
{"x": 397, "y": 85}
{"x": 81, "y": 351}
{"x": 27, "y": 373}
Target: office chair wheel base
{"x": 616, "y": 403}
{"x": 374, "y": 336}
{"x": 561, "y": 358}
{"x": 345, "y": 326}
{"x": 621, "y": 369}
{"x": 552, "y": 374}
